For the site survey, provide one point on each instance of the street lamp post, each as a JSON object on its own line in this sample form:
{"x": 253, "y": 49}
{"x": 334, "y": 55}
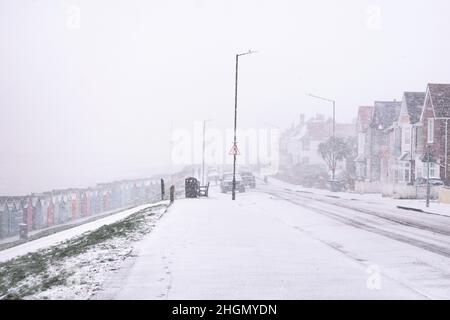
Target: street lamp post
{"x": 334, "y": 125}
{"x": 428, "y": 175}
{"x": 233, "y": 192}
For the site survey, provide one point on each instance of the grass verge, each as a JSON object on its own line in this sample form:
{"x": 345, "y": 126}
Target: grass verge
{"x": 41, "y": 270}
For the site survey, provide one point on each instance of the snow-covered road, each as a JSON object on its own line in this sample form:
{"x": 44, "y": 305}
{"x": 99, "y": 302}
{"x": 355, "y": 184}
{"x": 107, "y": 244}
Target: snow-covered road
{"x": 273, "y": 243}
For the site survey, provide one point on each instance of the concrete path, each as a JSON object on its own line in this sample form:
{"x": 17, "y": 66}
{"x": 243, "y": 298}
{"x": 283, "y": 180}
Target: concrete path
{"x": 258, "y": 247}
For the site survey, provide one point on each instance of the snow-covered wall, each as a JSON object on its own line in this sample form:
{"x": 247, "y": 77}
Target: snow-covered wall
{"x": 368, "y": 187}
{"x": 444, "y": 195}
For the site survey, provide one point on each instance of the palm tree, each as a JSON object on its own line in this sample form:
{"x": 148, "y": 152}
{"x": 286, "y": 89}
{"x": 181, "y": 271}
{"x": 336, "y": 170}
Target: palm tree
{"x": 333, "y": 150}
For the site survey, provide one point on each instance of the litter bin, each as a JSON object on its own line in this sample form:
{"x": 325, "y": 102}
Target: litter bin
{"x": 191, "y": 187}
{"x": 23, "y": 231}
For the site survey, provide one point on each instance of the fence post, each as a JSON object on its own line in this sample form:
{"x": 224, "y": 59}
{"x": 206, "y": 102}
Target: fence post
{"x": 162, "y": 189}
{"x": 172, "y": 194}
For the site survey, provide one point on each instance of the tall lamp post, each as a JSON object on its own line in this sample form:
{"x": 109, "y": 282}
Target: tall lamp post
{"x": 233, "y": 192}
{"x": 334, "y": 123}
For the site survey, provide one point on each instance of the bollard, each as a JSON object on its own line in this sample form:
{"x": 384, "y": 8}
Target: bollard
{"x": 172, "y": 193}
{"x": 162, "y": 189}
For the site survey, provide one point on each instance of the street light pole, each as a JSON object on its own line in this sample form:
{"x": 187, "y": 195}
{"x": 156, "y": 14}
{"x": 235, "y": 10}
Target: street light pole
{"x": 233, "y": 190}
{"x": 428, "y": 175}
{"x": 333, "y": 135}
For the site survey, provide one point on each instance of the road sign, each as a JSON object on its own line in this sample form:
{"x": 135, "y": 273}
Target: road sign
{"x": 234, "y": 151}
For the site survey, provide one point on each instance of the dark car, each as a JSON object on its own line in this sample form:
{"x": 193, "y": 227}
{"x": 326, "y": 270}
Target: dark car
{"x": 249, "y": 179}
{"x": 226, "y": 183}
{"x": 433, "y": 182}
{"x": 336, "y": 185}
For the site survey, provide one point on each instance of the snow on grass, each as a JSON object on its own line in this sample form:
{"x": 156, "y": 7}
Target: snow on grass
{"x": 58, "y": 237}
{"x": 76, "y": 268}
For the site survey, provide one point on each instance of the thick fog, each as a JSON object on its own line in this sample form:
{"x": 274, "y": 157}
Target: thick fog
{"x": 90, "y": 91}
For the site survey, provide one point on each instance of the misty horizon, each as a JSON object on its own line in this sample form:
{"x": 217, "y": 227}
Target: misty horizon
{"x": 90, "y": 91}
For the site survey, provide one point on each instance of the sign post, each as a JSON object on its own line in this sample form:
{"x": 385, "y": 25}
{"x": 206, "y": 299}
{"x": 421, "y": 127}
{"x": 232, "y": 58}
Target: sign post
{"x": 234, "y": 152}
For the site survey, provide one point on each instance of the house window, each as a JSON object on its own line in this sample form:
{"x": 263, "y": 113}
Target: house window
{"x": 432, "y": 170}
{"x": 361, "y": 143}
{"x": 407, "y": 176}
{"x": 418, "y": 139}
{"x": 407, "y": 135}
{"x": 430, "y": 130}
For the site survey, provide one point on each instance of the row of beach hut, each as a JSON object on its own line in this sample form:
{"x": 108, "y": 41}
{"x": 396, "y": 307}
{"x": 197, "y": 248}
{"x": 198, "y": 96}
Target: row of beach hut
{"x": 48, "y": 209}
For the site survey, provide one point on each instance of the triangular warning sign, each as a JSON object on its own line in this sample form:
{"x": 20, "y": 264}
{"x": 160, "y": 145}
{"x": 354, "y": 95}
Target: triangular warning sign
{"x": 234, "y": 151}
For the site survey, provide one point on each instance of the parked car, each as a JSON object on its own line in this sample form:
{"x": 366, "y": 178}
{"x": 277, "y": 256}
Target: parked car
{"x": 336, "y": 185}
{"x": 214, "y": 177}
{"x": 226, "y": 183}
{"x": 249, "y": 179}
{"x": 435, "y": 182}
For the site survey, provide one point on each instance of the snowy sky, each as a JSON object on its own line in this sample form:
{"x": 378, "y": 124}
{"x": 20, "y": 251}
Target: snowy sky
{"x": 89, "y": 89}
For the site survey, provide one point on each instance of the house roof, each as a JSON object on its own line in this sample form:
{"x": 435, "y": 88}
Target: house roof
{"x": 406, "y": 156}
{"x": 364, "y": 117}
{"x": 440, "y": 99}
{"x": 385, "y": 113}
{"x": 315, "y": 129}
{"x": 414, "y": 104}
{"x": 300, "y": 133}
{"x": 318, "y": 130}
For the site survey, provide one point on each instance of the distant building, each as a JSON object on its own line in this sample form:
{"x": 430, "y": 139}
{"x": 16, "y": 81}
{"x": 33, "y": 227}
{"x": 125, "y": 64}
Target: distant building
{"x": 383, "y": 117}
{"x": 402, "y": 139}
{"x": 299, "y": 144}
{"x": 363, "y": 122}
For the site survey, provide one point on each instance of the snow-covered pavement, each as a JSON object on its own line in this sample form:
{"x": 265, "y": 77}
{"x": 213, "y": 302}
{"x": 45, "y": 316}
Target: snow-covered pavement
{"x": 273, "y": 245}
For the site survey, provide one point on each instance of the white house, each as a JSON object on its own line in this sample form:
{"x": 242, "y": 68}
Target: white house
{"x": 403, "y": 159}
